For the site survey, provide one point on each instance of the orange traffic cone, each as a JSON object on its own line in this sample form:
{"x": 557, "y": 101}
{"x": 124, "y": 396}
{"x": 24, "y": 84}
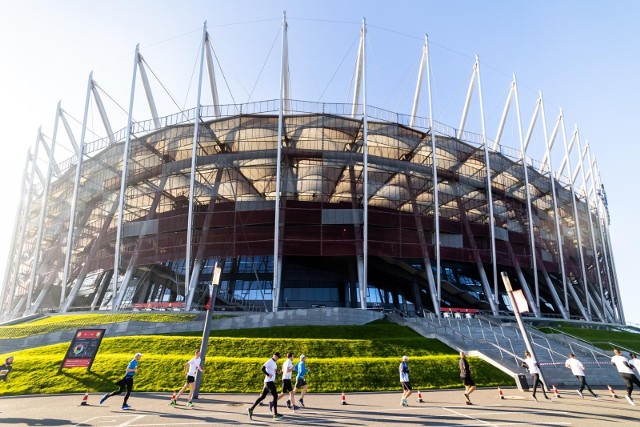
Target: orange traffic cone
{"x": 613, "y": 393}
{"x": 556, "y": 393}
{"x": 85, "y": 399}
{"x": 500, "y": 394}
{"x": 343, "y": 400}
{"x": 420, "y": 396}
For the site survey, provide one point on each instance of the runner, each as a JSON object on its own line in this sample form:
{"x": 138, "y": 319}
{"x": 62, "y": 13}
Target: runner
{"x": 300, "y": 381}
{"x": 287, "y": 387}
{"x": 534, "y": 369}
{"x": 6, "y": 368}
{"x": 465, "y": 375}
{"x": 633, "y": 362}
{"x": 626, "y": 372}
{"x": 125, "y": 382}
{"x": 191, "y": 369}
{"x": 577, "y": 369}
{"x": 404, "y": 380}
{"x": 270, "y": 369}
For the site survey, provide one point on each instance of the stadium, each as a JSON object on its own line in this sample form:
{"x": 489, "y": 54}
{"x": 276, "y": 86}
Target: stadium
{"x": 286, "y": 203}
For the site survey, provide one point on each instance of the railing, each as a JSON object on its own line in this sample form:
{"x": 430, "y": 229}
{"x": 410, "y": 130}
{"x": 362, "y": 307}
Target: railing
{"x": 585, "y": 348}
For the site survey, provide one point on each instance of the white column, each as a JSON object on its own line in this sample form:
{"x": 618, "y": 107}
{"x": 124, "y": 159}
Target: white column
{"x": 74, "y": 197}
{"x": 192, "y": 176}
{"x": 275, "y": 303}
{"x": 123, "y": 183}
{"x": 365, "y": 172}
{"x": 43, "y": 212}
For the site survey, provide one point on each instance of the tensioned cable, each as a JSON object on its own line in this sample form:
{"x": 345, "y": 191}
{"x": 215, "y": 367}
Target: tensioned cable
{"x": 162, "y": 85}
{"x": 264, "y": 65}
{"x": 338, "y": 68}
{"x": 224, "y": 77}
{"x": 410, "y": 72}
{"x": 114, "y": 101}
{"x": 193, "y": 72}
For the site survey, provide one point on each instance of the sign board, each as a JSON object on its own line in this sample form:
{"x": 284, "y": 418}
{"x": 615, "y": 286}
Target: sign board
{"x": 83, "y": 349}
{"x": 521, "y": 301}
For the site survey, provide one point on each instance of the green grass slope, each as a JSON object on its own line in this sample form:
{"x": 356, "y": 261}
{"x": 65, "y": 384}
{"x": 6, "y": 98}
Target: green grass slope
{"x": 349, "y": 358}
{"x": 604, "y": 339}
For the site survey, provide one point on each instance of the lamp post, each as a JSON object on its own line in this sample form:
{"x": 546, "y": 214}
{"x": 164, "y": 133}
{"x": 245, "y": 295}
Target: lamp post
{"x": 213, "y": 294}
{"x": 516, "y": 312}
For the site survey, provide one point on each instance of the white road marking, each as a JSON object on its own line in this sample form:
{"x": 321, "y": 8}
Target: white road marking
{"x": 139, "y": 417}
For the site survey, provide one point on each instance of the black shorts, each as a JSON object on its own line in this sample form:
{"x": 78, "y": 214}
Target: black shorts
{"x": 286, "y": 386}
{"x": 300, "y": 382}
{"x": 468, "y": 381}
{"x": 406, "y": 385}
{"x": 190, "y": 379}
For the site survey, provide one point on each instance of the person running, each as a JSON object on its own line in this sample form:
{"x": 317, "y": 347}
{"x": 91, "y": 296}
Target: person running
{"x": 287, "y": 387}
{"x": 534, "y": 370}
{"x": 626, "y": 372}
{"x": 465, "y": 375}
{"x": 301, "y": 383}
{"x": 403, "y": 369}
{"x": 577, "y": 369}
{"x": 633, "y": 362}
{"x": 270, "y": 370}
{"x": 191, "y": 369}
{"x": 6, "y": 368}
{"x": 125, "y": 382}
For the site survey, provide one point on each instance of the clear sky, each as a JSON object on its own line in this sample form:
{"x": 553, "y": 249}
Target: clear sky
{"x": 582, "y": 56}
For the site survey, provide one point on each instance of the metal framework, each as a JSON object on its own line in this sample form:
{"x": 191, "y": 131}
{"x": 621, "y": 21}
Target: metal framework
{"x": 305, "y": 203}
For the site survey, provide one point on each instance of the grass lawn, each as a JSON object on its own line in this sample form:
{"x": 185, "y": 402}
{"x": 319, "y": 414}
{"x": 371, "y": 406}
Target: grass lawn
{"x": 604, "y": 339}
{"x": 349, "y": 358}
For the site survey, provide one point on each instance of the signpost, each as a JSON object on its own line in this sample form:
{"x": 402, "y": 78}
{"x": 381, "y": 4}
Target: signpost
{"x": 519, "y": 304}
{"x": 213, "y": 294}
{"x": 83, "y": 349}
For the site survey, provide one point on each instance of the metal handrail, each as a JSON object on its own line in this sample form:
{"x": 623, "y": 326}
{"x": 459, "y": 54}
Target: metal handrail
{"x": 577, "y": 344}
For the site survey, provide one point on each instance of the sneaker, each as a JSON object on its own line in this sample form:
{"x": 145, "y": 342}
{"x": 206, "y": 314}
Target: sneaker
{"x": 277, "y": 417}
{"x": 466, "y": 396}
{"x": 301, "y": 402}
{"x": 580, "y": 394}
{"x": 630, "y": 400}
{"x": 468, "y": 402}
{"x": 596, "y": 396}
{"x": 250, "y": 413}
{"x": 534, "y": 397}
{"x": 174, "y": 402}
{"x": 126, "y": 407}
{"x": 270, "y": 406}
{"x": 296, "y": 407}
{"x": 190, "y": 404}
{"x": 547, "y": 397}
{"x": 289, "y": 404}
{"x": 105, "y": 397}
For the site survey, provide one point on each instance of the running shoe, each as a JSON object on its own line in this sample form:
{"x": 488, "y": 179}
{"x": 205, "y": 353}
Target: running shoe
{"x": 289, "y": 404}
{"x": 190, "y": 404}
{"x": 630, "y": 400}
{"x": 466, "y": 396}
{"x": 301, "y": 403}
{"x": 105, "y": 397}
{"x": 250, "y": 413}
{"x": 174, "y": 402}
{"x": 270, "y": 406}
{"x": 126, "y": 407}
{"x": 580, "y": 394}
{"x": 534, "y": 397}
{"x": 596, "y": 396}
{"x": 547, "y": 397}
{"x": 296, "y": 407}
{"x": 468, "y": 402}
{"x": 277, "y": 417}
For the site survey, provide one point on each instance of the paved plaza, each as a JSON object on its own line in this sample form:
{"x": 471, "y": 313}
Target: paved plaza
{"x": 439, "y": 409}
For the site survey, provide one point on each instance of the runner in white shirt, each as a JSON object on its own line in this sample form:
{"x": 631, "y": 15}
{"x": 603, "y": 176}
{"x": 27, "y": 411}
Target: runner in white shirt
{"x": 635, "y": 364}
{"x": 577, "y": 369}
{"x": 270, "y": 369}
{"x": 287, "y": 387}
{"x": 626, "y": 372}
{"x": 534, "y": 369}
{"x": 191, "y": 369}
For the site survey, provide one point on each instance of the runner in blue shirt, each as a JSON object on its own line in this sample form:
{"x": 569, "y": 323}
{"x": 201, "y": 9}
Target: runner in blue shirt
{"x": 302, "y": 370}
{"x": 125, "y": 382}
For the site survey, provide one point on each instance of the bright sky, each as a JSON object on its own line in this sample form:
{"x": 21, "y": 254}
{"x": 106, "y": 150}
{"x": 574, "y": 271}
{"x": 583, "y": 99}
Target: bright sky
{"x": 583, "y": 56}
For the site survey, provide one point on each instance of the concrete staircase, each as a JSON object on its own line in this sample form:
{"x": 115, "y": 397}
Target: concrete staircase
{"x": 501, "y": 344}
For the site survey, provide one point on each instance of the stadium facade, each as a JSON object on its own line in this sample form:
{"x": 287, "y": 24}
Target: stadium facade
{"x": 287, "y": 204}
